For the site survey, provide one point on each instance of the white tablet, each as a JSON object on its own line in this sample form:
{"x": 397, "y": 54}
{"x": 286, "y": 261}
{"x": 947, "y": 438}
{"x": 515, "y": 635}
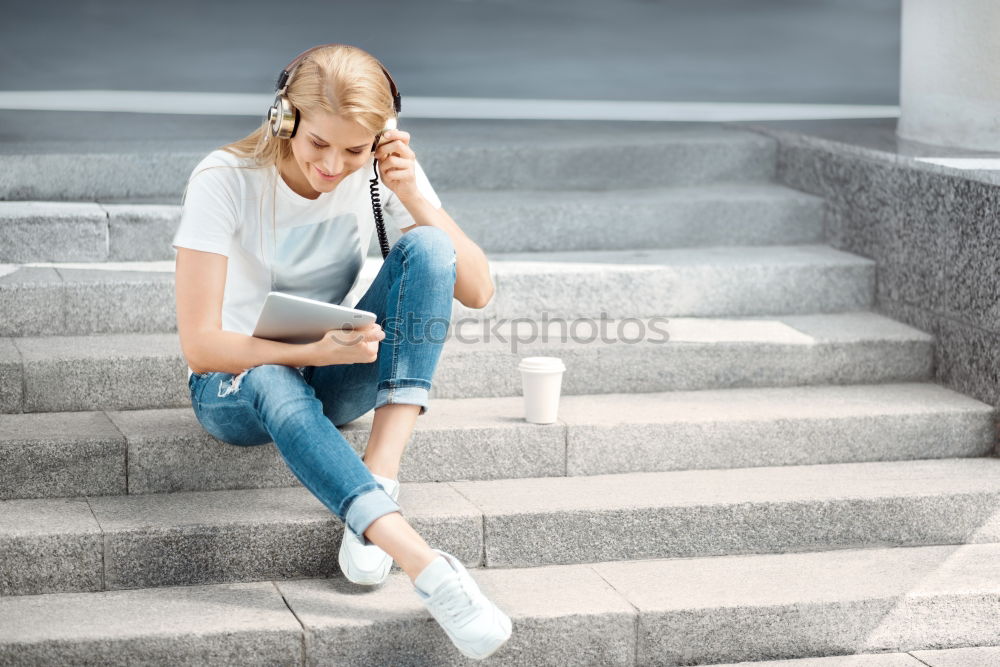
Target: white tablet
{"x": 294, "y": 319}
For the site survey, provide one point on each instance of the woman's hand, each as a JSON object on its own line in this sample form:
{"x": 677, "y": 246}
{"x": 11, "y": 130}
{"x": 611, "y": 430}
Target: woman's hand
{"x": 347, "y": 346}
{"x": 395, "y": 163}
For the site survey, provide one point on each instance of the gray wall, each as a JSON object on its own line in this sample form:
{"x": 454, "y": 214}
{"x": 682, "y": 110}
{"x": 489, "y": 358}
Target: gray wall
{"x": 936, "y": 241}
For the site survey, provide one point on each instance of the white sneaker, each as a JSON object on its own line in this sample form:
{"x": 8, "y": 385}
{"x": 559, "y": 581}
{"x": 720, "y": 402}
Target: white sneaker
{"x": 363, "y": 564}
{"x": 475, "y": 625}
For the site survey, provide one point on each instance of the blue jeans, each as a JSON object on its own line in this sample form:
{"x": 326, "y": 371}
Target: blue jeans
{"x": 299, "y": 408}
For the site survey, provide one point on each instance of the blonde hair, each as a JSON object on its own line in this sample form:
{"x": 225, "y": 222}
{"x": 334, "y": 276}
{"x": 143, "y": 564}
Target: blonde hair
{"x": 339, "y": 79}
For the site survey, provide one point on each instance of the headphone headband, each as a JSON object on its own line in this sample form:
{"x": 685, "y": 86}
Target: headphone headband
{"x": 289, "y": 69}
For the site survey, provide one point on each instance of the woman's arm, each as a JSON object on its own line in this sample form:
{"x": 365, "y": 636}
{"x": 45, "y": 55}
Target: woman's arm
{"x": 398, "y": 165}
{"x": 473, "y": 284}
{"x": 200, "y": 284}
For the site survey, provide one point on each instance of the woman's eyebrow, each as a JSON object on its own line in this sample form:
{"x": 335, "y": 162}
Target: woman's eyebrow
{"x": 359, "y": 147}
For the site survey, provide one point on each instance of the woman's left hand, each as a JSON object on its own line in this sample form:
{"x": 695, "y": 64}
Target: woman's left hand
{"x": 395, "y": 164}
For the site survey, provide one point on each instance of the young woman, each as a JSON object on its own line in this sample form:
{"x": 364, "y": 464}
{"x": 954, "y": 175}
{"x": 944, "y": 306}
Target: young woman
{"x": 288, "y": 209}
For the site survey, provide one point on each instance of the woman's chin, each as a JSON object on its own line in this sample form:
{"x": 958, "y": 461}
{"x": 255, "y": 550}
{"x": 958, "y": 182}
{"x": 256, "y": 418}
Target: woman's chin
{"x": 321, "y": 186}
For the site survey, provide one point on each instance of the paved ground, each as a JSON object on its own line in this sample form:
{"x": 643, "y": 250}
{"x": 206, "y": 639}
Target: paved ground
{"x": 812, "y": 51}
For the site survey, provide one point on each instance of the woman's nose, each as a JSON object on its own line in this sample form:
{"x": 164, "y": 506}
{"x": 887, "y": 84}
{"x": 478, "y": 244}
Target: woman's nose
{"x": 331, "y": 168}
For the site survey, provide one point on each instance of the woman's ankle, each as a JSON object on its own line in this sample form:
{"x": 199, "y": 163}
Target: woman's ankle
{"x": 396, "y": 537}
{"x": 381, "y": 468}
{"x": 417, "y": 566}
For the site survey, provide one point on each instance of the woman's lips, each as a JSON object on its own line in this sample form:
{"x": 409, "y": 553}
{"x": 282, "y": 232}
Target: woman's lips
{"x": 325, "y": 177}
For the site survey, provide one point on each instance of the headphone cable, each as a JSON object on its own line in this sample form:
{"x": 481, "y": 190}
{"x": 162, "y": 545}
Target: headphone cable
{"x": 377, "y": 210}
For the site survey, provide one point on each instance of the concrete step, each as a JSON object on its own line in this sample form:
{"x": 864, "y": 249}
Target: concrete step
{"x": 116, "y": 542}
{"x": 498, "y": 221}
{"x": 686, "y": 216}
{"x": 924, "y": 600}
{"x": 157, "y": 451}
{"x": 138, "y": 371}
{"x": 80, "y": 299}
{"x": 488, "y": 157}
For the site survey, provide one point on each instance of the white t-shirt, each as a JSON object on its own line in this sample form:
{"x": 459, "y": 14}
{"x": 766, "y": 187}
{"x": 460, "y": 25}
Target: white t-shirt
{"x": 317, "y": 246}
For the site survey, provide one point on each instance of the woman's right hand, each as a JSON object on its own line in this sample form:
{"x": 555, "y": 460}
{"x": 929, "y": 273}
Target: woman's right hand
{"x": 347, "y": 346}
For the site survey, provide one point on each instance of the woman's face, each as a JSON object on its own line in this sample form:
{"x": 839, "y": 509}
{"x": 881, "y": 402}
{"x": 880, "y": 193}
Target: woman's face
{"x": 326, "y": 145}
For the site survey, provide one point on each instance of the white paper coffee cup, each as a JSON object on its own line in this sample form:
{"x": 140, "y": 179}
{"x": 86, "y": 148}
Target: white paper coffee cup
{"x": 541, "y": 379}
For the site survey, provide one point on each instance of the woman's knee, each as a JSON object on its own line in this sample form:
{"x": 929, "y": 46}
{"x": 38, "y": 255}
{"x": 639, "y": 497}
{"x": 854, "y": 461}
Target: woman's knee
{"x": 432, "y": 248}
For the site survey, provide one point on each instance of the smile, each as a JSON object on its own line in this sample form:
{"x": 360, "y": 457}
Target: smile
{"x": 324, "y": 176}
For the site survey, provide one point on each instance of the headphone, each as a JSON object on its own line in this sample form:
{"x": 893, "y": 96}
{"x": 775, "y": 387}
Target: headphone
{"x": 283, "y": 118}
{"x": 283, "y": 122}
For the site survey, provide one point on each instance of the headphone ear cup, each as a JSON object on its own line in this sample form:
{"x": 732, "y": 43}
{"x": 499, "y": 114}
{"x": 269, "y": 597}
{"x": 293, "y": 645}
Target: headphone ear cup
{"x": 283, "y": 118}
{"x": 390, "y": 124}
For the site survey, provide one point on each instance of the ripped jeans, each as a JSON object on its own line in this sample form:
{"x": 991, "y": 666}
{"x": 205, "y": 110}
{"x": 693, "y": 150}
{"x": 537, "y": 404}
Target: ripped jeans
{"x": 299, "y": 409}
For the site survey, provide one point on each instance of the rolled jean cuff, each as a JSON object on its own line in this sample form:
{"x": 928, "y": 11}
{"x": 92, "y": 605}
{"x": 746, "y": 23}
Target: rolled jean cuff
{"x": 408, "y": 394}
{"x": 368, "y": 506}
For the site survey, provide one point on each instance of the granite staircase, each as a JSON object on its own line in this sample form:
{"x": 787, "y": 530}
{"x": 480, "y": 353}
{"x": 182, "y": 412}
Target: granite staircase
{"x": 751, "y": 464}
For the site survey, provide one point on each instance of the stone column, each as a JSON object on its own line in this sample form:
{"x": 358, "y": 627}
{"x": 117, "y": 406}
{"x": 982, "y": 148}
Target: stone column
{"x": 950, "y": 73}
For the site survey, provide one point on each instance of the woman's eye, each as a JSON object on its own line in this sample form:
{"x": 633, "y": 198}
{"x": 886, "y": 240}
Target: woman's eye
{"x": 349, "y": 151}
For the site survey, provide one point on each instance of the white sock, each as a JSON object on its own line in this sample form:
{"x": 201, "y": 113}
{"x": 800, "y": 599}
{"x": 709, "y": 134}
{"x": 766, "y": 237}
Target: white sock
{"x": 436, "y": 572}
{"x": 387, "y": 482}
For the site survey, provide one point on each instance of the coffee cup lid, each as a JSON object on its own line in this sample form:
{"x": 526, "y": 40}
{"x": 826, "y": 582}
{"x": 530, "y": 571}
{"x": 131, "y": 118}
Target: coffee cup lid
{"x": 541, "y": 364}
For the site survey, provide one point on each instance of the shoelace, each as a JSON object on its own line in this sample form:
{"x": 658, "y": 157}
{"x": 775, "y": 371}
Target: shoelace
{"x": 457, "y": 603}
